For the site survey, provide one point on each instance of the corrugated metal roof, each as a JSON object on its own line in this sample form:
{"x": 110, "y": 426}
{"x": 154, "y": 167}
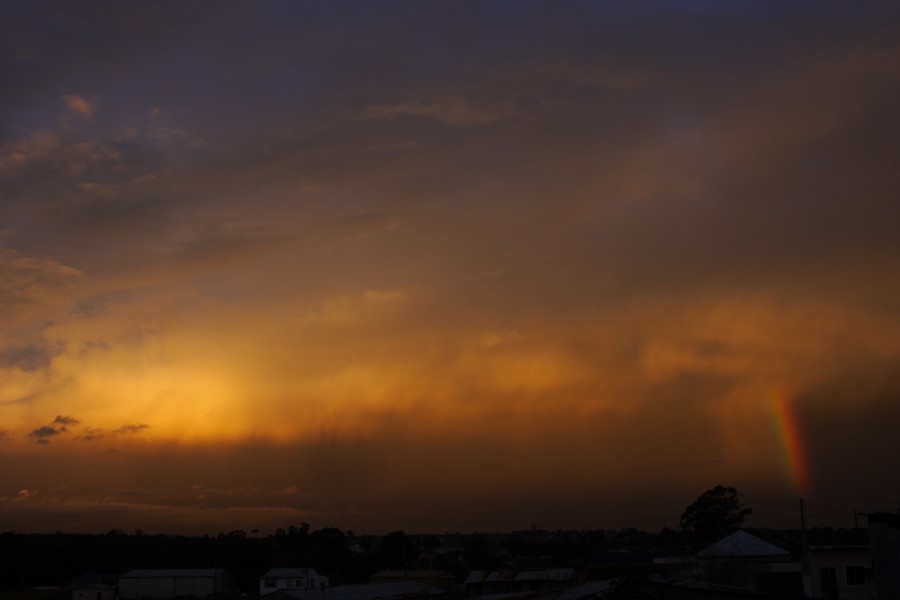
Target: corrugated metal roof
{"x": 411, "y": 574}
{"x": 585, "y": 591}
{"x": 529, "y": 595}
{"x": 365, "y": 591}
{"x": 546, "y": 575}
{"x": 477, "y": 576}
{"x": 154, "y": 573}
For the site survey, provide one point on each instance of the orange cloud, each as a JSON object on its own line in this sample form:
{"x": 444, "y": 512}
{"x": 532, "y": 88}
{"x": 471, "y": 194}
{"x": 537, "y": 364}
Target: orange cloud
{"x": 80, "y": 106}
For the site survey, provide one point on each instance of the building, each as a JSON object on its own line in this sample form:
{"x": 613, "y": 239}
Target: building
{"x": 884, "y": 539}
{"x": 93, "y": 586}
{"x": 483, "y": 583}
{"x": 745, "y": 561}
{"x": 841, "y": 572}
{"x": 291, "y": 579}
{"x": 740, "y": 563}
{"x": 94, "y": 591}
{"x": 400, "y": 590}
{"x": 437, "y": 579}
{"x": 174, "y": 583}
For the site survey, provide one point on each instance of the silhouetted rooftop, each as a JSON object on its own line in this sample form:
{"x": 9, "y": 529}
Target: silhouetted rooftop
{"x": 741, "y": 543}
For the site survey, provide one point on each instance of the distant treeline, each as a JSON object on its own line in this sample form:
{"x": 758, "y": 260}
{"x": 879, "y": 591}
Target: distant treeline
{"x": 29, "y": 560}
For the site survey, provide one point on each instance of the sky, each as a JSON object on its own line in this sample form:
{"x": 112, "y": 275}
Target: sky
{"x": 446, "y": 266}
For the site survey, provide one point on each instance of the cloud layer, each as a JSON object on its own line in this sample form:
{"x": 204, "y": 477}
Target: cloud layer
{"x": 406, "y": 259}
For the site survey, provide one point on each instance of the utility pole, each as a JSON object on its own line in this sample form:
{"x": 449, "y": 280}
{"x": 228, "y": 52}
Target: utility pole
{"x": 665, "y": 520}
{"x": 804, "y": 553}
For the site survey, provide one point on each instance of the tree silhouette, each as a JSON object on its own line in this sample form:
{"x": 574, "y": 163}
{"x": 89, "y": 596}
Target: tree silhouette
{"x": 715, "y": 514}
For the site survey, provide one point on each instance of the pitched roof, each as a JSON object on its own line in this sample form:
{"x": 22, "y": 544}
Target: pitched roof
{"x": 741, "y": 543}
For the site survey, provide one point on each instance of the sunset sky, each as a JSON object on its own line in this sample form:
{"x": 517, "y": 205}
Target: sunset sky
{"x": 446, "y": 265}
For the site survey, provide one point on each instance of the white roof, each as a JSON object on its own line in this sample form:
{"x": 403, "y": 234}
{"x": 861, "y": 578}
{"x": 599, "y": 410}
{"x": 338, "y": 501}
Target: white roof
{"x": 741, "y": 543}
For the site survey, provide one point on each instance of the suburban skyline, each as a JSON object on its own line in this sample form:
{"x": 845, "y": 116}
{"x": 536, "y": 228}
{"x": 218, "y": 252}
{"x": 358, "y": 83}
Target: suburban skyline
{"x": 446, "y": 266}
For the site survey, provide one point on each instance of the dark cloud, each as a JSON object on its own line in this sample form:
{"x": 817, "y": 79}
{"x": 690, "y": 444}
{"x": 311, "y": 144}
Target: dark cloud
{"x": 59, "y": 425}
{"x": 27, "y": 358}
{"x": 132, "y": 428}
{"x": 91, "y": 434}
{"x": 45, "y": 431}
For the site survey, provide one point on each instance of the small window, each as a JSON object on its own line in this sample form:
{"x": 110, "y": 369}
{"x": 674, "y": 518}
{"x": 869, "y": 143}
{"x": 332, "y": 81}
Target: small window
{"x": 270, "y": 583}
{"x": 856, "y": 575}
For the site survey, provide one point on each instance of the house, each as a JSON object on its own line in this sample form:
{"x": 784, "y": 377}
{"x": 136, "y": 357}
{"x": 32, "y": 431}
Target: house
{"x": 743, "y": 560}
{"x": 740, "y": 563}
{"x": 291, "y": 579}
{"x": 843, "y": 572}
{"x": 174, "y": 583}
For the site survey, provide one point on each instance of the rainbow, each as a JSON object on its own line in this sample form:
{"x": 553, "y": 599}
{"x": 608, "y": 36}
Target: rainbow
{"x": 789, "y": 434}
